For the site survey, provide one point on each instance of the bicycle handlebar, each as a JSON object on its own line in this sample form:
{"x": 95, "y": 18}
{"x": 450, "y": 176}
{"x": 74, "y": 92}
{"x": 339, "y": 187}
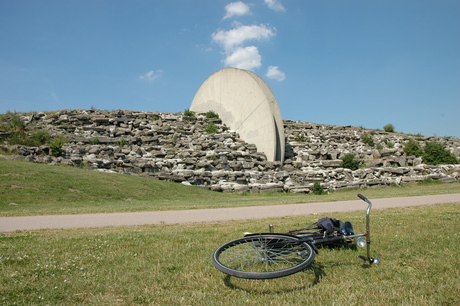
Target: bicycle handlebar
{"x": 364, "y": 198}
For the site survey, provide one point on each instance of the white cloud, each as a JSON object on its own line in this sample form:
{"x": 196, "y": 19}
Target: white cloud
{"x": 237, "y": 36}
{"x": 273, "y": 72}
{"x": 151, "y": 75}
{"x": 244, "y": 58}
{"x": 236, "y": 9}
{"x": 275, "y": 5}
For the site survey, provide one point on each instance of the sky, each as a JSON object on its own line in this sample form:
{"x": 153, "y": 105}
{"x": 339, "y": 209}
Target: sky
{"x": 364, "y": 63}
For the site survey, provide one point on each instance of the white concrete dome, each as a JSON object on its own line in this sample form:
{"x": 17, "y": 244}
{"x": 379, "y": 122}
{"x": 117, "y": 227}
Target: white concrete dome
{"x": 245, "y": 103}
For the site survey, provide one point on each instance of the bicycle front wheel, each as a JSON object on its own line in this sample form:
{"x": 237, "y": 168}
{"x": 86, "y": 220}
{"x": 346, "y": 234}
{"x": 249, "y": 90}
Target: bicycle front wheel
{"x": 263, "y": 256}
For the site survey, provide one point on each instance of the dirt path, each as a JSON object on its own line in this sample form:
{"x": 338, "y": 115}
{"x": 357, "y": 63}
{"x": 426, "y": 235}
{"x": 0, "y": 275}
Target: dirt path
{"x": 10, "y": 224}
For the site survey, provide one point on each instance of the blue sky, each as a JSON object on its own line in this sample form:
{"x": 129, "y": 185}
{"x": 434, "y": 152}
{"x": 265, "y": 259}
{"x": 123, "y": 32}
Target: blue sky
{"x": 341, "y": 62}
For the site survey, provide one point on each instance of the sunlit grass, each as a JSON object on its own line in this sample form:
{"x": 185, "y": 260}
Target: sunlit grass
{"x": 171, "y": 264}
{"x": 32, "y": 189}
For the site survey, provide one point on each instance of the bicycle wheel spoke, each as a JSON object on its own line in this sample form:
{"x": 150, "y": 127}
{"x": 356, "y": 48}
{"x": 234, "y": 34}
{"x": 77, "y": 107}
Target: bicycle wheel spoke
{"x": 263, "y": 256}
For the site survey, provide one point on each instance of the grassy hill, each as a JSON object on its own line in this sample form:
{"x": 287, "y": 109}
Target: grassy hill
{"x": 30, "y": 188}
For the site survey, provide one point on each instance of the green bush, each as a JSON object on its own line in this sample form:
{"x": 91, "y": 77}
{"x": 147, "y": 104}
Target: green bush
{"x": 317, "y": 188}
{"x": 367, "y": 139}
{"x": 211, "y": 114}
{"x": 17, "y": 138}
{"x": 189, "y": 113}
{"x": 348, "y": 161}
{"x": 40, "y": 137}
{"x": 36, "y": 139}
{"x": 389, "y": 128}
{"x": 412, "y": 148}
{"x": 211, "y": 128}
{"x": 56, "y": 146}
{"x": 434, "y": 153}
{"x": 17, "y": 125}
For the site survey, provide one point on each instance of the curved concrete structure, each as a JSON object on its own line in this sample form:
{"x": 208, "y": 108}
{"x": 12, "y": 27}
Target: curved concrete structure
{"x": 245, "y": 103}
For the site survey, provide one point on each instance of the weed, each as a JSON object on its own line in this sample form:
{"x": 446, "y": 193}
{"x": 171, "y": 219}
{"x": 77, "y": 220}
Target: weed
{"x": 367, "y": 139}
{"x": 93, "y": 141}
{"x": 211, "y": 128}
{"x": 121, "y": 142}
{"x": 17, "y": 125}
{"x": 211, "y": 114}
{"x": 189, "y": 113}
{"x": 300, "y": 138}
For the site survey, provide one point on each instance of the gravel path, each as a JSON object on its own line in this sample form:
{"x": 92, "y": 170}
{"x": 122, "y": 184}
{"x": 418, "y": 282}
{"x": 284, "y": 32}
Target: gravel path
{"x": 11, "y": 224}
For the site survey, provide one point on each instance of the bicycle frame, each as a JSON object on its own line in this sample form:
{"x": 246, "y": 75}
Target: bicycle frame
{"x": 272, "y": 255}
{"x": 361, "y": 239}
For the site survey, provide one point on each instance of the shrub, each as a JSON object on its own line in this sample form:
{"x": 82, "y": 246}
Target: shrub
{"x": 211, "y": 114}
{"x": 434, "y": 153}
{"x": 317, "y": 188}
{"x": 211, "y": 128}
{"x": 412, "y": 148}
{"x": 389, "y": 128}
{"x": 40, "y": 137}
{"x": 17, "y": 125}
{"x": 56, "y": 146}
{"x": 36, "y": 139}
{"x": 189, "y": 113}
{"x": 17, "y": 138}
{"x": 367, "y": 139}
{"x": 348, "y": 161}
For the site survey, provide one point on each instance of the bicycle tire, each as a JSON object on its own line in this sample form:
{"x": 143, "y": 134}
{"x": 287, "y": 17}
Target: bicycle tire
{"x": 263, "y": 256}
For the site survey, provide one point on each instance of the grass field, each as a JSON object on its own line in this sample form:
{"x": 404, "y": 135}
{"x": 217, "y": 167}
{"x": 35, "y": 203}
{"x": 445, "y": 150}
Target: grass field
{"x": 35, "y": 189}
{"x": 171, "y": 264}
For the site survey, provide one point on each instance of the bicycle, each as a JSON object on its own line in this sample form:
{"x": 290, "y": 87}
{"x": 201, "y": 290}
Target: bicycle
{"x": 273, "y": 255}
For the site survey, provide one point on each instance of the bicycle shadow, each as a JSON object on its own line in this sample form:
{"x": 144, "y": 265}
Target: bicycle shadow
{"x": 267, "y": 286}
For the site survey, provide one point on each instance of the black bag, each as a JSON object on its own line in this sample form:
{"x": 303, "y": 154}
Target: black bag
{"x": 330, "y": 225}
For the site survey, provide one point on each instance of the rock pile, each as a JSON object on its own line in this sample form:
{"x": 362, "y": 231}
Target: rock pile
{"x": 203, "y": 152}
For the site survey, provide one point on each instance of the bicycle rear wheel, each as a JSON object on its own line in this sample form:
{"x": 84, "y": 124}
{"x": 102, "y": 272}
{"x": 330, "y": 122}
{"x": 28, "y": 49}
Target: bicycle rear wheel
{"x": 263, "y": 256}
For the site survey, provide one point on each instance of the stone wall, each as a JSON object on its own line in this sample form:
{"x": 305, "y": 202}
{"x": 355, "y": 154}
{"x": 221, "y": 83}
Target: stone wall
{"x": 170, "y": 146}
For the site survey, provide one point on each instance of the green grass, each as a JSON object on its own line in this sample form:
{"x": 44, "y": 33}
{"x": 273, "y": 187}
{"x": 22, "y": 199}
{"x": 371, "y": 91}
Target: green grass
{"x": 171, "y": 264}
{"x": 33, "y": 189}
